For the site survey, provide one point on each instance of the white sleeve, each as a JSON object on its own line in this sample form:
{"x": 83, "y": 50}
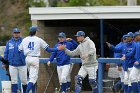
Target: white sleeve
{"x": 73, "y": 53}
{"x": 43, "y": 44}
{"x": 20, "y": 47}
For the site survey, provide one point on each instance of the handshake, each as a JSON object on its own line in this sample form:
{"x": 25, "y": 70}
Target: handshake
{"x": 61, "y": 47}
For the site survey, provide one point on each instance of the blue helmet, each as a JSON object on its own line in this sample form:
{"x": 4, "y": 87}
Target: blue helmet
{"x": 136, "y": 34}
{"x": 62, "y": 34}
{"x": 130, "y": 34}
{"x": 33, "y": 29}
{"x": 16, "y": 30}
{"x": 80, "y": 33}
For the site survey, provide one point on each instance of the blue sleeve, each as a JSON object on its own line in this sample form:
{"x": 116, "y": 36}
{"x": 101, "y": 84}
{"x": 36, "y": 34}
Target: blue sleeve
{"x": 6, "y": 52}
{"x": 138, "y": 60}
{"x": 1, "y": 58}
{"x": 53, "y": 55}
{"x": 116, "y": 49}
{"x": 51, "y": 49}
{"x": 125, "y": 65}
{"x": 74, "y": 44}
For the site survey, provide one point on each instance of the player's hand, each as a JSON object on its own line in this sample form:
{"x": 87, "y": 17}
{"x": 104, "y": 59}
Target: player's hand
{"x": 68, "y": 39}
{"x": 119, "y": 68}
{"x": 84, "y": 56}
{"x": 61, "y": 47}
{"x": 136, "y": 63}
{"x": 108, "y": 44}
{"x": 48, "y": 63}
{"x": 4, "y": 66}
{"x": 123, "y": 58}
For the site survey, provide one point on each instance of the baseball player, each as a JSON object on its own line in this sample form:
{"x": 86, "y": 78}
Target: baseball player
{"x": 16, "y": 60}
{"x": 63, "y": 61}
{"x": 87, "y": 51}
{"x": 31, "y": 47}
{"x": 135, "y": 73}
{"x": 136, "y": 36}
{"x": 128, "y": 63}
{"x": 119, "y": 55}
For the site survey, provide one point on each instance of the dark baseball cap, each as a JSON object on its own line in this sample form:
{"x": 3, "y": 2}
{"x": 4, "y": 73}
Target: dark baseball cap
{"x": 16, "y": 30}
{"x": 62, "y": 34}
{"x": 80, "y": 33}
{"x": 33, "y": 29}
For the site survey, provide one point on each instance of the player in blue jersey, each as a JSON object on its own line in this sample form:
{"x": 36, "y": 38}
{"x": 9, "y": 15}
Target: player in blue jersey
{"x": 135, "y": 73}
{"x": 128, "y": 63}
{"x": 17, "y": 65}
{"x": 63, "y": 60}
{"x": 119, "y": 84}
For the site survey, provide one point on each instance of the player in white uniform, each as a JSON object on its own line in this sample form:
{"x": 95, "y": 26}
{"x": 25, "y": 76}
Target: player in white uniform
{"x": 31, "y": 46}
{"x": 87, "y": 51}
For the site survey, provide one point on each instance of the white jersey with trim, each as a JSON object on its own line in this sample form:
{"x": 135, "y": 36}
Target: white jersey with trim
{"x": 31, "y": 45}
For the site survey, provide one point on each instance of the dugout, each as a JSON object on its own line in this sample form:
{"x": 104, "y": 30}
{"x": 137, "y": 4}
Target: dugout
{"x": 101, "y": 24}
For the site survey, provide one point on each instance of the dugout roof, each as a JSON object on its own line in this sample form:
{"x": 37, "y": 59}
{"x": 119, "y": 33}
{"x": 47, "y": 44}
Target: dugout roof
{"x": 97, "y": 12}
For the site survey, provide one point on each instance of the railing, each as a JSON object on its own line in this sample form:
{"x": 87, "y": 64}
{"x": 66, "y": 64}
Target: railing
{"x": 100, "y": 70}
{"x": 45, "y": 60}
{"x": 100, "y": 67}
{"x": 73, "y": 60}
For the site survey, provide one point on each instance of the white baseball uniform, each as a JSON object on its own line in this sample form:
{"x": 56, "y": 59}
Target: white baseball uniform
{"x": 31, "y": 46}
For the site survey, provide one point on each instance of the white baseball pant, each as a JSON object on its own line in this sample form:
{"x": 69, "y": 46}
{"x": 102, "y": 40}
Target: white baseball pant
{"x": 33, "y": 68}
{"x": 63, "y": 72}
{"x": 90, "y": 70}
{"x": 21, "y": 71}
{"x": 127, "y": 77}
{"x": 134, "y": 74}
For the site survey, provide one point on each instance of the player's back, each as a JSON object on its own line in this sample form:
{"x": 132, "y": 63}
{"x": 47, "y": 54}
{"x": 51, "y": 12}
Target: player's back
{"x": 32, "y": 44}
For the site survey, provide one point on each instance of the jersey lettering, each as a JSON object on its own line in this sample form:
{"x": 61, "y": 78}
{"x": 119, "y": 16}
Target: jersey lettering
{"x": 31, "y": 45}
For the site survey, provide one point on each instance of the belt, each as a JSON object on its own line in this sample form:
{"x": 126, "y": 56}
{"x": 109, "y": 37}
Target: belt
{"x": 33, "y": 56}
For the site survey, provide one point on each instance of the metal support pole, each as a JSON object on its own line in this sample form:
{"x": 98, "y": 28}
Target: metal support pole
{"x": 102, "y": 37}
{"x": 100, "y": 77}
{"x": 100, "y": 67}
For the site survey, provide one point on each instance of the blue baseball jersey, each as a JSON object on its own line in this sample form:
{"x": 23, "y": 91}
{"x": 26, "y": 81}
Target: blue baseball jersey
{"x": 136, "y": 53}
{"x": 61, "y": 57}
{"x": 126, "y": 49}
{"x": 12, "y": 53}
{"x": 118, "y": 55}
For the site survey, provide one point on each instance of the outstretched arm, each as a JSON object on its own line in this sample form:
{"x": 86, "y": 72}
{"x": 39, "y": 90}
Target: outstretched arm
{"x": 60, "y": 47}
{"x": 113, "y": 48}
{"x": 72, "y": 53}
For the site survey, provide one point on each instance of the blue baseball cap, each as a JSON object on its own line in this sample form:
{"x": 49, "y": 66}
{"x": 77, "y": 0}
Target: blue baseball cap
{"x": 130, "y": 34}
{"x": 62, "y": 34}
{"x": 80, "y": 33}
{"x": 33, "y": 29}
{"x": 136, "y": 34}
{"x": 124, "y": 36}
{"x": 16, "y": 30}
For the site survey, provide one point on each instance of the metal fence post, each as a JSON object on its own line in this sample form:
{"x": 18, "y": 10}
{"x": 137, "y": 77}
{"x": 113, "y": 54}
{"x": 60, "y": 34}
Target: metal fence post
{"x": 100, "y": 77}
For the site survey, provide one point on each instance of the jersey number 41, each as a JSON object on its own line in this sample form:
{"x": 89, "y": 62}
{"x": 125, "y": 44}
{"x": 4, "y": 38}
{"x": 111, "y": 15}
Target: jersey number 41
{"x": 31, "y": 45}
